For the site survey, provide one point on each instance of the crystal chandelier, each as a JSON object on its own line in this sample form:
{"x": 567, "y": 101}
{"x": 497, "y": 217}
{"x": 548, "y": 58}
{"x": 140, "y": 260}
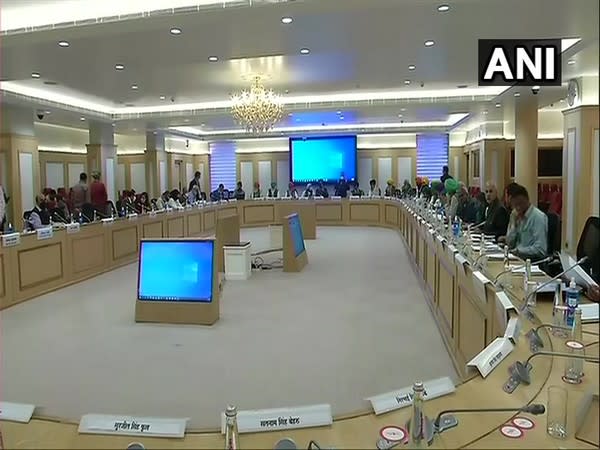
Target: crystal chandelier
{"x": 258, "y": 109}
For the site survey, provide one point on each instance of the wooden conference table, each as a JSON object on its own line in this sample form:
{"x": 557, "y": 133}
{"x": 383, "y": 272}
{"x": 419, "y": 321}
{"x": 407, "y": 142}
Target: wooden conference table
{"x": 467, "y": 320}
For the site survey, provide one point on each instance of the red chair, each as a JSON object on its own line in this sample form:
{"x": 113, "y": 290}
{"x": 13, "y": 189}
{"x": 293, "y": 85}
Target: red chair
{"x": 555, "y": 199}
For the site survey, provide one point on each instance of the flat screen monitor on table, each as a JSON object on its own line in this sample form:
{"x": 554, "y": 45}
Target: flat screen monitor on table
{"x": 176, "y": 270}
{"x": 322, "y": 158}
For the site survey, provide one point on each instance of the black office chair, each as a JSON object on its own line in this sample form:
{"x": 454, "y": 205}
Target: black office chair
{"x": 589, "y": 245}
{"x": 554, "y": 232}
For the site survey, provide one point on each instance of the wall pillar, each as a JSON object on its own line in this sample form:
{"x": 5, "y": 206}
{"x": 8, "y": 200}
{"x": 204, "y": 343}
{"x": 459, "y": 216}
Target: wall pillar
{"x": 156, "y": 164}
{"x": 19, "y": 162}
{"x": 102, "y": 156}
{"x": 526, "y": 149}
{"x": 580, "y": 172}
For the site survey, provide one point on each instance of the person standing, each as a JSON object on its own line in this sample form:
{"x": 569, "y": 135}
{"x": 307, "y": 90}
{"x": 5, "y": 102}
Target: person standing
{"x": 80, "y": 193}
{"x": 98, "y": 194}
{"x": 195, "y": 181}
{"x": 445, "y": 174}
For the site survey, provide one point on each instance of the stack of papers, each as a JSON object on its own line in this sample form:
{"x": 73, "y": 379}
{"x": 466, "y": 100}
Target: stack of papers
{"x": 500, "y": 256}
{"x": 589, "y": 312}
{"x": 535, "y": 270}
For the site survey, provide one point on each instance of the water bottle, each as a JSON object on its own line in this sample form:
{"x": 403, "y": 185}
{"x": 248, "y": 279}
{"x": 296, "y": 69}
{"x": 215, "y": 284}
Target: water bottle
{"x": 10, "y": 228}
{"x": 455, "y": 228}
{"x": 572, "y": 302}
{"x": 231, "y": 428}
{"x": 558, "y": 313}
{"x": 80, "y": 219}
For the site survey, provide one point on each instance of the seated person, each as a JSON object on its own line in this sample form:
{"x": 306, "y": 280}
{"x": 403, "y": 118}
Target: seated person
{"x": 321, "y": 190}
{"x": 273, "y": 192}
{"x": 466, "y": 209}
{"x": 292, "y": 192}
{"x": 341, "y": 188}
{"x": 194, "y": 195}
{"x": 219, "y": 193}
{"x": 256, "y": 192}
{"x": 174, "y": 202}
{"x": 39, "y": 216}
{"x": 60, "y": 212}
{"x": 308, "y": 192}
{"x": 162, "y": 201}
{"x": 496, "y": 216}
{"x": 406, "y": 188}
{"x": 374, "y": 190}
{"x": 142, "y": 204}
{"x": 239, "y": 193}
{"x": 390, "y": 189}
{"x": 355, "y": 190}
{"x": 527, "y": 234}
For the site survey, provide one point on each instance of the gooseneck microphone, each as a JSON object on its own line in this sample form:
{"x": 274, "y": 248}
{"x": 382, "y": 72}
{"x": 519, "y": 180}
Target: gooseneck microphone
{"x": 60, "y": 218}
{"x": 534, "y": 408}
{"x": 522, "y": 370}
{"x": 535, "y": 340}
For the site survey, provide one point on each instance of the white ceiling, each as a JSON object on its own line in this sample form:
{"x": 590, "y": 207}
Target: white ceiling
{"x": 357, "y": 48}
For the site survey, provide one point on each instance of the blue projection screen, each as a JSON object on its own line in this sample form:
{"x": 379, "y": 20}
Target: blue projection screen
{"x": 296, "y": 232}
{"x": 176, "y": 270}
{"x": 322, "y": 158}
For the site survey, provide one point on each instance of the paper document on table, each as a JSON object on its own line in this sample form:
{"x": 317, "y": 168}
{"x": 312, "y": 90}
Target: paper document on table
{"x": 500, "y": 256}
{"x": 535, "y": 270}
{"x": 589, "y": 312}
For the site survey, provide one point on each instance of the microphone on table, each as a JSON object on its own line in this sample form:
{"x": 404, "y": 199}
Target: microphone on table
{"x": 535, "y": 263}
{"x": 521, "y": 371}
{"x": 60, "y": 218}
{"x": 442, "y": 423}
{"x": 524, "y": 308}
{"x": 285, "y": 444}
{"x": 85, "y": 217}
{"x": 535, "y": 340}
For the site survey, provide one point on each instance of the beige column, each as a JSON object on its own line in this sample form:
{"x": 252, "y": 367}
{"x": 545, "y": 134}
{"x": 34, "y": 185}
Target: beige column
{"x": 19, "y": 162}
{"x": 580, "y": 172}
{"x": 526, "y": 150}
{"x": 156, "y": 164}
{"x": 102, "y": 155}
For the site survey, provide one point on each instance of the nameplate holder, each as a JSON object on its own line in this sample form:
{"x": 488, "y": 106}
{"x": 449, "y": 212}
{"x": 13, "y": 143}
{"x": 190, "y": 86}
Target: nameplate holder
{"x": 108, "y": 220}
{"x": 44, "y": 233}
{"x": 491, "y": 356}
{"x": 513, "y": 329}
{"x": 132, "y": 216}
{"x": 319, "y": 197}
{"x": 479, "y": 282}
{"x": 189, "y": 206}
{"x": 16, "y": 412}
{"x": 11, "y": 239}
{"x": 72, "y": 227}
{"x": 391, "y": 401}
{"x": 253, "y": 421}
{"x": 336, "y": 197}
{"x": 440, "y": 238}
{"x": 355, "y": 197}
{"x": 452, "y": 250}
{"x": 152, "y": 213}
{"x": 461, "y": 262}
{"x": 132, "y": 426}
{"x": 504, "y": 307}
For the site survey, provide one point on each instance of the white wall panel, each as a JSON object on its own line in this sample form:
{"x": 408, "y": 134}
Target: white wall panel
{"x": 571, "y": 180}
{"x": 109, "y": 178}
{"x": 595, "y": 173}
{"x": 3, "y": 170}
{"x": 365, "y": 172}
{"x": 384, "y": 168}
{"x": 162, "y": 175}
{"x": 246, "y": 176}
{"x": 189, "y": 173}
{"x": 203, "y": 178}
{"x": 55, "y": 175}
{"x": 283, "y": 176}
{"x": 456, "y": 169}
{"x": 264, "y": 176}
{"x": 121, "y": 177}
{"x": 26, "y": 180}
{"x": 138, "y": 176}
{"x": 404, "y": 170}
{"x": 74, "y": 170}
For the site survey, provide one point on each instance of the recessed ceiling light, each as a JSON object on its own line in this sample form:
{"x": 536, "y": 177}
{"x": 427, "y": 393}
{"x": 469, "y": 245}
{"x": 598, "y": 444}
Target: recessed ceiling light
{"x": 82, "y": 118}
{"x": 462, "y": 86}
{"x": 305, "y": 51}
{"x": 571, "y": 62}
{"x": 485, "y": 112}
{"x": 213, "y": 58}
{"x": 286, "y": 20}
{"x": 412, "y": 67}
{"x": 338, "y": 112}
{"x": 134, "y": 87}
{"x": 175, "y": 31}
{"x": 429, "y": 43}
{"x": 114, "y": 124}
{"x": 63, "y": 43}
{"x": 443, "y": 8}
{"x": 47, "y": 112}
{"x": 498, "y": 105}
{"x": 202, "y": 124}
{"x": 402, "y": 109}
{"x": 399, "y": 115}
{"x": 35, "y": 75}
{"x": 562, "y": 100}
{"x": 535, "y": 88}
{"x": 341, "y": 117}
{"x": 119, "y": 66}
{"x": 162, "y": 97}
{"x": 517, "y": 94}
{"x": 406, "y": 81}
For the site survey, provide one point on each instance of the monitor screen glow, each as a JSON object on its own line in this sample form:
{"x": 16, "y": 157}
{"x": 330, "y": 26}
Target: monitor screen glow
{"x": 176, "y": 270}
{"x": 297, "y": 236}
{"x": 322, "y": 158}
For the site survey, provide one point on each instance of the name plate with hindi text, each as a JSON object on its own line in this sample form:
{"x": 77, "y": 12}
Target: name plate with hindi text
{"x": 503, "y": 308}
{"x": 479, "y": 282}
{"x": 132, "y": 426}
{"x": 73, "y": 227}
{"x": 491, "y": 356}
{"x": 393, "y": 400}
{"x": 108, "y": 220}
{"x": 16, "y": 412}
{"x": 44, "y": 233}
{"x": 252, "y": 421}
{"x": 132, "y": 216}
{"x": 11, "y": 239}
{"x": 513, "y": 329}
